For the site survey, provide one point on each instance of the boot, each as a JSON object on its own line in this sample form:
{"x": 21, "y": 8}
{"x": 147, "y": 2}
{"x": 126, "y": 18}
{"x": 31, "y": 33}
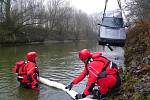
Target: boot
{"x": 96, "y": 94}
{"x": 102, "y": 97}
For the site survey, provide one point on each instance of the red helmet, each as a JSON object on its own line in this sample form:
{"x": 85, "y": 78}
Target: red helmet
{"x": 84, "y": 54}
{"x": 31, "y": 56}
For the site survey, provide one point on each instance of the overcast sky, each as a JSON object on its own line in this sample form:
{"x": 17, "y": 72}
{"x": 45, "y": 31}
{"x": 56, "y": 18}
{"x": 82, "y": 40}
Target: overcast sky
{"x": 94, "y": 6}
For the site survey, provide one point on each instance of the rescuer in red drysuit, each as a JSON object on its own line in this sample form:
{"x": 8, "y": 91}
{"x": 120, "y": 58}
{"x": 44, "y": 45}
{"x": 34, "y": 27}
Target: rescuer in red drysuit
{"x": 27, "y": 71}
{"x": 100, "y": 72}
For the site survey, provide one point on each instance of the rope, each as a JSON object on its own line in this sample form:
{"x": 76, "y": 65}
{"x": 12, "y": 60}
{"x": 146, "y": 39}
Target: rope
{"x": 103, "y": 15}
{"x": 119, "y": 4}
{"x": 104, "y": 10}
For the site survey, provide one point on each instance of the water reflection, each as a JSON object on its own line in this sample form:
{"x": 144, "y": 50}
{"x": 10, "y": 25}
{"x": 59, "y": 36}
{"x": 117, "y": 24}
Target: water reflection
{"x": 26, "y": 94}
{"x": 57, "y": 61}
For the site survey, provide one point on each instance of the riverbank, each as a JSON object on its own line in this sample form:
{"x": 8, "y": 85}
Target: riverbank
{"x": 45, "y": 42}
{"x": 136, "y": 80}
{"x": 137, "y": 55}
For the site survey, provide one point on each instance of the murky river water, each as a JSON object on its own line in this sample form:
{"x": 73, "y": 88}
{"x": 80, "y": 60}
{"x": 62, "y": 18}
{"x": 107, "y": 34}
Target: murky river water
{"x": 57, "y": 61}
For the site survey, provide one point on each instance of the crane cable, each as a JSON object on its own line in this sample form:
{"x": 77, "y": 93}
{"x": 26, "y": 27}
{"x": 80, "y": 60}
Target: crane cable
{"x": 104, "y": 9}
{"x": 119, "y": 4}
{"x": 103, "y": 15}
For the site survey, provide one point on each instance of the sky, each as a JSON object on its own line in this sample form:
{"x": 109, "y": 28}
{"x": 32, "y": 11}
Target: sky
{"x": 94, "y": 6}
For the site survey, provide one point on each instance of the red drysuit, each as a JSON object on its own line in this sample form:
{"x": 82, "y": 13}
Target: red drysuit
{"x": 93, "y": 69}
{"x": 27, "y": 71}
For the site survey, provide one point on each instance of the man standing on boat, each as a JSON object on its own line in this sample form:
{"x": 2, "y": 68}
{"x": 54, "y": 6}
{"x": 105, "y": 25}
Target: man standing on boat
{"x": 27, "y": 71}
{"x": 100, "y": 72}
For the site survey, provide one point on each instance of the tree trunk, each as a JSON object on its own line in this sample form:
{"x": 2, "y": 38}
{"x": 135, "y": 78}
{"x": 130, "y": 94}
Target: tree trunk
{"x": 8, "y": 5}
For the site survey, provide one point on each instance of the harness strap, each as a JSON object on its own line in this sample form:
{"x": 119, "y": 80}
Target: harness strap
{"x": 104, "y": 69}
{"x": 107, "y": 64}
{"x": 36, "y": 71}
{"x": 103, "y": 57}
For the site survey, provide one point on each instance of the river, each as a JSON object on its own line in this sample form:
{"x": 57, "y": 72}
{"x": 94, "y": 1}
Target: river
{"x": 57, "y": 61}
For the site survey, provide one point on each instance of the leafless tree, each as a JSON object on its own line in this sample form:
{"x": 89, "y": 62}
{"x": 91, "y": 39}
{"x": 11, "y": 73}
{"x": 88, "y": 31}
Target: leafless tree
{"x": 56, "y": 17}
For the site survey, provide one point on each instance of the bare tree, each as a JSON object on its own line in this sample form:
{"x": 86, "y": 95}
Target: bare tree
{"x": 56, "y": 17}
{"x": 138, "y": 9}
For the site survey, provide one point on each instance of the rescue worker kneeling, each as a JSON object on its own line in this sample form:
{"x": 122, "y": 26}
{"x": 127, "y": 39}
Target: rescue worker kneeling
{"x": 27, "y": 71}
{"x": 100, "y": 72}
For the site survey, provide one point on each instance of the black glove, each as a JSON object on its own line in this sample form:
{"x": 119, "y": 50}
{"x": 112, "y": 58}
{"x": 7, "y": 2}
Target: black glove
{"x": 80, "y": 96}
{"x": 102, "y": 75}
{"x": 19, "y": 79}
{"x": 36, "y": 85}
{"x": 69, "y": 86}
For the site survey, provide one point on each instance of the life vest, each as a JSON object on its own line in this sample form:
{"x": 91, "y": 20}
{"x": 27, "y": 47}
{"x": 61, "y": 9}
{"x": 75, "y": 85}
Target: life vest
{"x": 20, "y": 71}
{"x": 18, "y": 65}
{"x": 95, "y": 65}
{"x": 111, "y": 65}
{"x": 98, "y": 58}
{"x": 108, "y": 66}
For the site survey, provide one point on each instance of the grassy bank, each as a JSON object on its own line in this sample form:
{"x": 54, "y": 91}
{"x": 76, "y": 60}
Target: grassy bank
{"x": 136, "y": 78}
{"x": 136, "y": 84}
